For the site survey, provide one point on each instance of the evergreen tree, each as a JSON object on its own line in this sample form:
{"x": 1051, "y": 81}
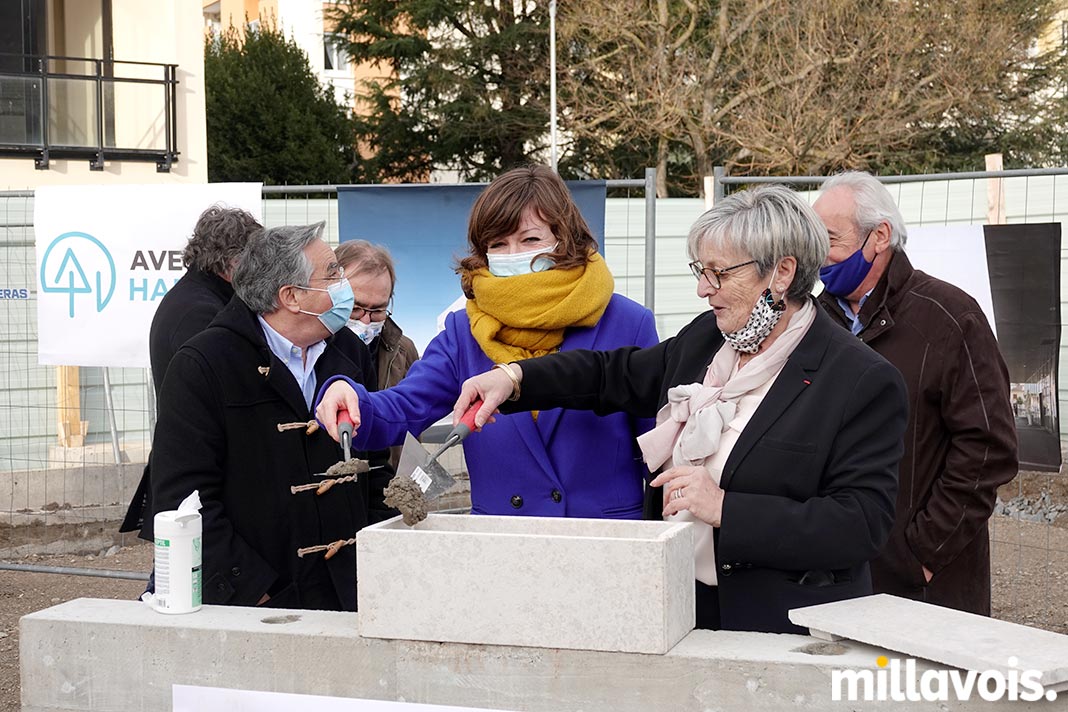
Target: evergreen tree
{"x": 462, "y": 85}
{"x": 268, "y": 117}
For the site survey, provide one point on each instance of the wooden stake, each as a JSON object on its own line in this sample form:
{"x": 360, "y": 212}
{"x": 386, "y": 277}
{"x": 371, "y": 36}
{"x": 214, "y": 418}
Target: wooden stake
{"x": 995, "y": 191}
{"x": 70, "y": 426}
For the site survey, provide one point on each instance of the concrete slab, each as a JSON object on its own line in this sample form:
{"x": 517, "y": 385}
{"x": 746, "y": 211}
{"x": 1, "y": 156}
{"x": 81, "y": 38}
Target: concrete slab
{"x": 111, "y": 656}
{"x": 588, "y": 584}
{"x": 92, "y": 654}
{"x": 943, "y": 635}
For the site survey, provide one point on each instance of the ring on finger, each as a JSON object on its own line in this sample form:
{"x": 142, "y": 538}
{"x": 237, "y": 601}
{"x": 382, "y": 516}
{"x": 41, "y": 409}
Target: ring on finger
{"x": 677, "y": 493}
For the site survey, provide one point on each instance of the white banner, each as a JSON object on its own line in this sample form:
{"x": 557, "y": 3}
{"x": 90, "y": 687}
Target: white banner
{"x": 955, "y": 254}
{"x": 106, "y": 255}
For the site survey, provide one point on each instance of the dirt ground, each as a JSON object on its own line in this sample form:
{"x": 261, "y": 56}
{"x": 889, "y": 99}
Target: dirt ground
{"x": 22, "y": 593}
{"x": 1029, "y": 565}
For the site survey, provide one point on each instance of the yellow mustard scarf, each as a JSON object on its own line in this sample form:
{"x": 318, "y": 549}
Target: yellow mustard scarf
{"x": 524, "y": 316}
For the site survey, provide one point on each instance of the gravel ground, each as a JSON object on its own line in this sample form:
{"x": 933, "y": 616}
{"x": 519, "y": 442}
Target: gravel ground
{"x": 1029, "y": 543}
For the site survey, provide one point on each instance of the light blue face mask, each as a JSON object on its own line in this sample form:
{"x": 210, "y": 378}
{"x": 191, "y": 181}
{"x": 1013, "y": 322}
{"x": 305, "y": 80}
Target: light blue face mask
{"x": 342, "y": 298}
{"x": 519, "y": 262}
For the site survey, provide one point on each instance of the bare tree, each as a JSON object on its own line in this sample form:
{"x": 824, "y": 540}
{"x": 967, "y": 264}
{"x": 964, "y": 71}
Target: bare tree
{"x": 774, "y": 86}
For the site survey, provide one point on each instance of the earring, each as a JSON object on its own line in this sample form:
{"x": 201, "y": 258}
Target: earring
{"x": 770, "y": 300}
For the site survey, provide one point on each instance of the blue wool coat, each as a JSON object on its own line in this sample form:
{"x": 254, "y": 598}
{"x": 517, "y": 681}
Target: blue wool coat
{"x": 568, "y": 463}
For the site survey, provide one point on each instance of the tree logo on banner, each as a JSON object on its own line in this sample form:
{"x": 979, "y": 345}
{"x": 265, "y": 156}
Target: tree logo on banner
{"x": 78, "y": 263}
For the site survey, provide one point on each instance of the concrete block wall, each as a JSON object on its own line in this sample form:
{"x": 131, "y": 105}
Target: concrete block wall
{"x": 111, "y": 656}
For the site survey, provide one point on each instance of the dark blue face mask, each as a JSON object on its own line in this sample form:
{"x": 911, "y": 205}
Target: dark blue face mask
{"x": 842, "y": 279}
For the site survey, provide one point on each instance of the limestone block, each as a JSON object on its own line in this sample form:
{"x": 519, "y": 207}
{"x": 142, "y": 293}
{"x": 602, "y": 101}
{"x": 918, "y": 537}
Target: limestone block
{"x": 587, "y": 584}
{"x": 944, "y": 635}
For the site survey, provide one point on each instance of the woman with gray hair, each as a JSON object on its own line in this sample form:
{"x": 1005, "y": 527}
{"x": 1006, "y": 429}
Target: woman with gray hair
{"x": 778, "y": 434}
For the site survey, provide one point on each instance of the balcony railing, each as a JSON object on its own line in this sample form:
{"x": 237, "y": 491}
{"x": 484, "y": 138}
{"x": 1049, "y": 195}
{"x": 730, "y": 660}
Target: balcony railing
{"x": 74, "y": 107}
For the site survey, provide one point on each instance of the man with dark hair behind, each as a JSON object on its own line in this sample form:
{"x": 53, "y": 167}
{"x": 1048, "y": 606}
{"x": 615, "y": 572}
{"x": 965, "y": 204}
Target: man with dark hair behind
{"x": 210, "y": 256}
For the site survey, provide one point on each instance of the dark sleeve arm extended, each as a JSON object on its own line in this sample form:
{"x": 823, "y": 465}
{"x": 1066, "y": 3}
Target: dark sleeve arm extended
{"x": 628, "y": 380}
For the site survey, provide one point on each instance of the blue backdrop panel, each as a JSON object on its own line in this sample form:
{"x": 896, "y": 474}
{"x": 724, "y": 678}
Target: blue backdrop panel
{"x": 425, "y": 229}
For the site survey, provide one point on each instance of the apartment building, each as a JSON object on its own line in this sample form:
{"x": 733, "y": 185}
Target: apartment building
{"x": 101, "y": 91}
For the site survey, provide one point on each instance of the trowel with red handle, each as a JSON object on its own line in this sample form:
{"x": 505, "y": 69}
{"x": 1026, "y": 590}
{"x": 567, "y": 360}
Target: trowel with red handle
{"x": 415, "y": 462}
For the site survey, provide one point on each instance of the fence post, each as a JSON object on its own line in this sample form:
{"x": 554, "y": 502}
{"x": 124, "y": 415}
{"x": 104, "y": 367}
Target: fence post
{"x": 116, "y": 451}
{"x": 650, "y": 237}
{"x": 995, "y": 191}
{"x": 718, "y": 193}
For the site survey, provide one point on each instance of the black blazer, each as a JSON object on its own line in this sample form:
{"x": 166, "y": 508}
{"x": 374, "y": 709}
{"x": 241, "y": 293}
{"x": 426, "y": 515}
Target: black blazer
{"x": 222, "y": 399}
{"x": 810, "y": 484}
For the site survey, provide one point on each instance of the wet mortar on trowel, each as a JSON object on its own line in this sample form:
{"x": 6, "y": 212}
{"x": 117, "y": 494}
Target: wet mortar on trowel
{"x": 403, "y": 494}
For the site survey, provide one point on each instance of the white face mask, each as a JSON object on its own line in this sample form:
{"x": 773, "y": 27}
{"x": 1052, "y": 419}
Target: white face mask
{"x": 366, "y": 332}
{"x": 519, "y": 262}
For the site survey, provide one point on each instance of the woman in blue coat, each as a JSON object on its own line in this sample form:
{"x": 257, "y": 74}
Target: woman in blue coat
{"x": 535, "y": 285}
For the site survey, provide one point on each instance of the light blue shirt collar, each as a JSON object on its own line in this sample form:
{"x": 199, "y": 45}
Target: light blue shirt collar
{"x": 855, "y": 324}
{"x": 303, "y": 370}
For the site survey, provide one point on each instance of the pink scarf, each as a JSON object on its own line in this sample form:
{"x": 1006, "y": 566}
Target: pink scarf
{"x": 688, "y": 429}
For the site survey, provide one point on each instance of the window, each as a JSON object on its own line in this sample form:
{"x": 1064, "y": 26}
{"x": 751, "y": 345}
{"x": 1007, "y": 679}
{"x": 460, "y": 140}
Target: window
{"x": 335, "y": 57}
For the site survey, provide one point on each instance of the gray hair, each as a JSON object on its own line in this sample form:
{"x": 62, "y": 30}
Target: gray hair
{"x": 767, "y": 223}
{"x": 272, "y": 259}
{"x": 218, "y": 239}
{"x": 873, "y": 205}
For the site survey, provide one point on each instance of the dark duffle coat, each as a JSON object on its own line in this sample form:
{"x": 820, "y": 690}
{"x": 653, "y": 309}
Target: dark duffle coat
{"x": 222, "y": 399}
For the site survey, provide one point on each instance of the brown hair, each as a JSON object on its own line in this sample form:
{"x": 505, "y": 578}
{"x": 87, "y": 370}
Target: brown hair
{"x": 220, "y": 235}
{"x": 362, "y": 257}
{"x": 499, "y": 207}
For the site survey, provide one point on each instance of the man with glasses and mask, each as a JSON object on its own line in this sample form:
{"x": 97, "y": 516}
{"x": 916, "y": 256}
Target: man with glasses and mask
{"x": 235, "y": 423}
{"x": 369, "y": 269}
{"x": 960, "y": 445}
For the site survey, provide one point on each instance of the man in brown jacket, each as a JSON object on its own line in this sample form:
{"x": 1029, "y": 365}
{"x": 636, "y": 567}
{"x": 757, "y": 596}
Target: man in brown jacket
{"x": 370, "y": 271}
{"x": 960, "y": 445}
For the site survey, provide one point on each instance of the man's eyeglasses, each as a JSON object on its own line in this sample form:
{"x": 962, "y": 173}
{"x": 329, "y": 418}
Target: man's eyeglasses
{"x": 380, "y": 314}
{"x": 335, "y": 273}
{"x": 712, "y": 274}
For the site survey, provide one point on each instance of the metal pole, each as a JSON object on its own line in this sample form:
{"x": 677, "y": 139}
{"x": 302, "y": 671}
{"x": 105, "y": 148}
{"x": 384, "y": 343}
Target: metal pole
{"x": 718, "y": 192}
{"x": 111, "y": 418}
{"x": 916, "y": 178}
{"x": 71, "y": 571}
{"x": 151, "y": 393}
{"x": 97, "y": 164}
{"x": 650, "y": 237}
{"x": 43, "y": 160}
{"x": 552, "y": 83}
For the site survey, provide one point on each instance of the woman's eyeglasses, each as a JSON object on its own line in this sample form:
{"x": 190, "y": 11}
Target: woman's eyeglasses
{"x": 712, "y": 274}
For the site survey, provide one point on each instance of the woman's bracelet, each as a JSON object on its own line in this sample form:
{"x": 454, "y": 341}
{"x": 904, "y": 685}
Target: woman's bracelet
{"x": 507, "y": 368}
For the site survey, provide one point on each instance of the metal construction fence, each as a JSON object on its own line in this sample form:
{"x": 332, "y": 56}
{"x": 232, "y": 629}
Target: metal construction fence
{"x": 42, "y": 481}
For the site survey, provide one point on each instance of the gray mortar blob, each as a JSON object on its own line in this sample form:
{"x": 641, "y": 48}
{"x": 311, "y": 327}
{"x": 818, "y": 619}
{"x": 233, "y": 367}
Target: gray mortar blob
{"x": 403, "y": 494}
{"x": 347, "y": 467}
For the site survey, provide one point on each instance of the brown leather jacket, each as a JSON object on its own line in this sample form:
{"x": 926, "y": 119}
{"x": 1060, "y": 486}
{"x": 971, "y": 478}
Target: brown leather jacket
{"x": 960, "y": 445}
{"x": 396, "y": 354}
